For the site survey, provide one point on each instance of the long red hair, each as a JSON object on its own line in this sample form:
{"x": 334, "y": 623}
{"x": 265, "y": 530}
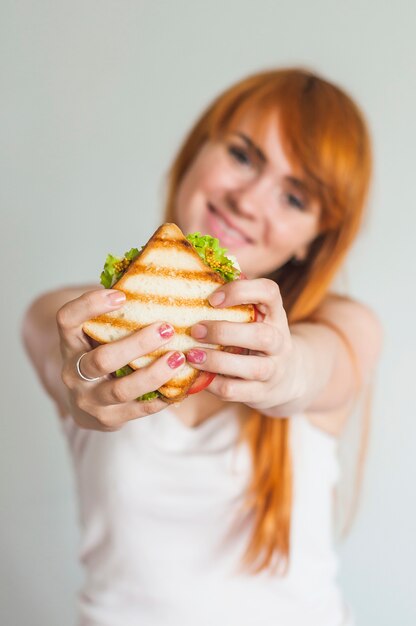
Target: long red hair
{"x": 326, "y": 139}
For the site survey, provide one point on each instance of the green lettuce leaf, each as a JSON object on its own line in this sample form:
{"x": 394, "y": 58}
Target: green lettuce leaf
{"x": 212, "y": 254}
{"x": 132, "y": 253}
{"x": 124, "y": 371}
{"x": 114, "y": 267}
{"x": 152, "y": 395}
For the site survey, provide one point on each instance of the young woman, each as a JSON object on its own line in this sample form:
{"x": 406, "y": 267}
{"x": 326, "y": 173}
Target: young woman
{"x": 218, "y": 511}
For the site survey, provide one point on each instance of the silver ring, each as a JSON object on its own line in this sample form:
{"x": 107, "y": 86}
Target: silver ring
{"x": 81, "y": 375}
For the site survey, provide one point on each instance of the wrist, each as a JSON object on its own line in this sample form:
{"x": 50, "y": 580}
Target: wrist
{"x": 52, "y": 380}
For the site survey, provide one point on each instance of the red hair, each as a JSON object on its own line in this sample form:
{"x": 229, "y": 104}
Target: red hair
{"x": 326, "y": 139}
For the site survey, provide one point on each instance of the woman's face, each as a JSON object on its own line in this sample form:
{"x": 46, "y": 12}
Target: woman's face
{"x": 248, "y": 196}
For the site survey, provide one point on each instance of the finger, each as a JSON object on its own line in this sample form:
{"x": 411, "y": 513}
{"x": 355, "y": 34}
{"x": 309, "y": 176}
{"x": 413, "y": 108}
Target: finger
{"x": 114, "y": 416}
{"x": 72, "y": 315}
{"x": 258, "y": 336}
{"x": 109, "y": 357}
{"x": 134, "y": 409}
{"x": 144, "y": 380}
{"x": 260, "y": 291}
{"x": 236, "y": 390}
{"x": 248, "y": 367}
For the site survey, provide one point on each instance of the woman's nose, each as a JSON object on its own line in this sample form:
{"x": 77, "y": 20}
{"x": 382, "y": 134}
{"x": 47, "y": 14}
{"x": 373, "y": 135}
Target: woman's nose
{"x": 252, "y": 199}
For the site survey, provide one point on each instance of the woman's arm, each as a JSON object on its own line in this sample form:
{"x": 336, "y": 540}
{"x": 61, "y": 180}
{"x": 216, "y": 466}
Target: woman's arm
{"x": 41, "y": 340}
{"x": 339, "y": 352}
{"x": 316, "y": 367}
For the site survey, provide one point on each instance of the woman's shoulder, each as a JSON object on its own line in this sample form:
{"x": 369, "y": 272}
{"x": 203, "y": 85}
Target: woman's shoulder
{"x": 334, "y": 299}
{"x": 357, "y": 320}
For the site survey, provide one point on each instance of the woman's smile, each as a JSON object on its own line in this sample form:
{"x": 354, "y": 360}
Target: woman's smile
{"x": 221, "y": 226}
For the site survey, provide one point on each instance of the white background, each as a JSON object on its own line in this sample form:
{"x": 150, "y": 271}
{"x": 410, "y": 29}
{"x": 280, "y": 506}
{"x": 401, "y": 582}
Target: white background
{"x": 95, "y": 98}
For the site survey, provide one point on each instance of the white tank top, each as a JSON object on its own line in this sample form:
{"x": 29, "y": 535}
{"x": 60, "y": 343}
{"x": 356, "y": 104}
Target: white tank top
{"x": 156, "y": 500}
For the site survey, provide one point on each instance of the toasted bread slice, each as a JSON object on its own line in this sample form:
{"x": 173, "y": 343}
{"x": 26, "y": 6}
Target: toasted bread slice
{"x": 167, "y": 282}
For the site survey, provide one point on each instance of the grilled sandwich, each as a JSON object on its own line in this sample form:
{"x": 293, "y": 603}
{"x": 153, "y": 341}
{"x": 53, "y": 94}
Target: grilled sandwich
{"x": 169, "y": 280}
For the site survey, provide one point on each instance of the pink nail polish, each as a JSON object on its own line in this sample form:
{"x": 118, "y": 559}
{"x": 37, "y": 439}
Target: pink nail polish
{"x": 199, "y": 331}
{"x": 196, "y": 356}
{"x": 116, "y": 298}
{"x": 217, "y": 298}
{"x": 176, "y": 360}
{"x": 166, "y": 331}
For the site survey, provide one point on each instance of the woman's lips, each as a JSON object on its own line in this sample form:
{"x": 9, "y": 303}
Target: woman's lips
{"x": 228, "y": 236}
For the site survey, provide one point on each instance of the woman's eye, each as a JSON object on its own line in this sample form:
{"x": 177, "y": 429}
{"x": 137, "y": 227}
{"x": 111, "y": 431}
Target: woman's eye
{"x": 240, "y": 155}
{"x": 295, "y": 201}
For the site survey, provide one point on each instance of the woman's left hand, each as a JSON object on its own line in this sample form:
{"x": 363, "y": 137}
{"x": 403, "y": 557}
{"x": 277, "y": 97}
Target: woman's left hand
{"x": 267, "y": 375}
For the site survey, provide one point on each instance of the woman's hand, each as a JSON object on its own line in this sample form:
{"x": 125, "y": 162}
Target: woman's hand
{"x": 268, "y": 374}
{"x": 107, "y": 403}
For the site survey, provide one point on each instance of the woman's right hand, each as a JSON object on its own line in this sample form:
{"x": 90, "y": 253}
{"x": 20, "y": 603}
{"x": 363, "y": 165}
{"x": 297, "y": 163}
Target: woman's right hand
{"x": 106, "y": 404}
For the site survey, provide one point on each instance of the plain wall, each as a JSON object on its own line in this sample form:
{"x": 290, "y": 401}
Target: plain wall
{"x": 96, "y": 96}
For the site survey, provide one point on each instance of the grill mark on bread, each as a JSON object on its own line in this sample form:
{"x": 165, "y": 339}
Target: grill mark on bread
{"x": 131, "y": 325}
{"x": 178, "y": 301}
{"x": 174, "y": 384}
{"x": 167, "y": 243}
{"x": 175, "y": 273}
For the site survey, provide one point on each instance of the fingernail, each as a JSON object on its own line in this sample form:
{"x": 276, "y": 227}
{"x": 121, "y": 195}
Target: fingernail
{"x": 199, "y": 331}
{"x": 166, "y": 331}
{"x": 216, "y": 298}
{"x": 116, "y": 297}
{"x": 196, "y": 356}
{"x": 176, "y": 360}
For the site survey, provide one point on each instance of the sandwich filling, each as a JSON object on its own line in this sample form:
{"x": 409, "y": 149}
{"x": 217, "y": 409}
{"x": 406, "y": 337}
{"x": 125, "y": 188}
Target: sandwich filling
{"x": 115, "y": 267}
{"x": 207, "y": 247}
{"x": 214, "y": 256}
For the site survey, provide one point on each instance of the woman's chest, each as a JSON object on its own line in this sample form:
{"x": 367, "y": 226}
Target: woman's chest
{"x": 163, "y": 470}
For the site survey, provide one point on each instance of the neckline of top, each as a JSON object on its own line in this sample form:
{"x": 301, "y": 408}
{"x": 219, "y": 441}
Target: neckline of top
{"x": 218, "y": 432}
